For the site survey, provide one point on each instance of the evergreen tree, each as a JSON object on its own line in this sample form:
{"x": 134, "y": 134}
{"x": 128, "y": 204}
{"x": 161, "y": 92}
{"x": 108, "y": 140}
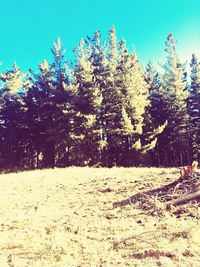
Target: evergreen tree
{"x": 64, "y": 128}
{"x": 175, "y": 141}
{"x": 137, "y": 103}
{"x": 194, "y": 107}
{"x": 103, "y": 109}
{"x": 126, "y": 100}
{"x": 86, "y": 97}
{"x": 11, "y": 114}
{"x": 99, "y": 63}
{"x": 50, "y": 112}
{"x": 39, "y": 116}
{"x": 153, "y": 80}
{"x": 155, "y": 112}
{"x": 88, "y": 80}
{"x": 112, "y": 104}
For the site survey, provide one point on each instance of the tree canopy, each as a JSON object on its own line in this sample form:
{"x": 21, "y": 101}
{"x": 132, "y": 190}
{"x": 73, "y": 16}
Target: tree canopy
{"x": 102, "y": 109}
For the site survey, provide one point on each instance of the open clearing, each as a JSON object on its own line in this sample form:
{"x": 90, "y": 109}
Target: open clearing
{"x": 65, "y": 217}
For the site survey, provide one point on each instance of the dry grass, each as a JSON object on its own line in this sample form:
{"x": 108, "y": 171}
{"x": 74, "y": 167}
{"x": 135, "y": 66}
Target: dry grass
{"x": 65, "y": 217}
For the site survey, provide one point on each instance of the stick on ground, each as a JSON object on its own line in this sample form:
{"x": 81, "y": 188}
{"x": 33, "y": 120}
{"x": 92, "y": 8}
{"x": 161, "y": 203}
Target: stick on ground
{"x": 183, "y": 199}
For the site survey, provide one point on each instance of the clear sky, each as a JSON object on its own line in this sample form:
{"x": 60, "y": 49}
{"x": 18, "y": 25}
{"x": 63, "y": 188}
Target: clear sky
{"x": 29, "y": 27}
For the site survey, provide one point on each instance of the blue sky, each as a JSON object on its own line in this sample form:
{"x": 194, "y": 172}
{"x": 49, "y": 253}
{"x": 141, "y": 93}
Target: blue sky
{"x": 29, "y": 27}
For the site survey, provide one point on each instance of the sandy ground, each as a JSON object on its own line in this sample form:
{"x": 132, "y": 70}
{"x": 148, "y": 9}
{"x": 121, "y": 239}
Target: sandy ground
{"x": 65, "y": 217}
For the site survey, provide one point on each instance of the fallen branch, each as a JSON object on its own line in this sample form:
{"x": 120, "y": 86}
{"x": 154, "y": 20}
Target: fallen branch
{"x": 183, "y": 198}
{"x": 137, "y": 237}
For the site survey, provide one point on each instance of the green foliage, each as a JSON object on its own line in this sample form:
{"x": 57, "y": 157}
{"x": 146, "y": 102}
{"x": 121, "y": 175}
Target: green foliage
{"x": 194, "y": 107}
{"x": 102, "y": 109}
{"x": 174, "y": 97}
{"x": 11, "y": 114}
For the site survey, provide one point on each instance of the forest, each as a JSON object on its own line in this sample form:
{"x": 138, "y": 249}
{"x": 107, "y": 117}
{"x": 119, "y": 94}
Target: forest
{"x": 101, "y": 109}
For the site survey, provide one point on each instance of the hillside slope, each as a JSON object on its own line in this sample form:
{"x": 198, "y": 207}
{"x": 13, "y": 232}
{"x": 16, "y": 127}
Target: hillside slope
{"x": 65, "y": 217}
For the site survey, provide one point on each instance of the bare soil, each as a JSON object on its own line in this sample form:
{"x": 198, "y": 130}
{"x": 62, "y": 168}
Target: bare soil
{"x": 67, "y": 217}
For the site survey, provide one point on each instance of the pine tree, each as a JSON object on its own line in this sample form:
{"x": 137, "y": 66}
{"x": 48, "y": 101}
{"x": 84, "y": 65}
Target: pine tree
{"x": 137, "y": 103}
{"x": 155, "y": 112}
{"x": 88, "y": 80}
{"x": 99, "y": 63}
{"x": 64, "y": 114}
{"x": 174, "y": 142}
{"x": 83, "y": 82}
{"x": 102, "y": 109}
{"x": 194, "y": 107}
{"x": 126, "y": 100}
{"x": 11, "y": 114}
{"x": 112, "y": 106}
{"x": 50, "y": 112}
{"x": 84, "y": 79}
{"x": 153, "y": 80}
{"x": 136, "y": 94}
{"x": 39, "y": 116}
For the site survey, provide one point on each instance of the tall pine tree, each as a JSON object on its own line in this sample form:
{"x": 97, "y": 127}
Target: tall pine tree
{"x": 175, "y": 140}
{"x": 11, "y": 114}
{"x": 194, "y": 107}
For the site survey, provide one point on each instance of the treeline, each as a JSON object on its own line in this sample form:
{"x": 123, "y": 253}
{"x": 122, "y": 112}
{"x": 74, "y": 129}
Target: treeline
{"x": 101, "y": 109}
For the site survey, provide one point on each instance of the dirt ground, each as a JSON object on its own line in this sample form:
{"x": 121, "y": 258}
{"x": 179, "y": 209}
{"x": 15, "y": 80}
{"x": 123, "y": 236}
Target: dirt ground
{"x": 66, "y": 218}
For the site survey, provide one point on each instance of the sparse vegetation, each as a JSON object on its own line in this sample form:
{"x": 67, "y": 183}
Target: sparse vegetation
{"x": 65, "y": 217}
